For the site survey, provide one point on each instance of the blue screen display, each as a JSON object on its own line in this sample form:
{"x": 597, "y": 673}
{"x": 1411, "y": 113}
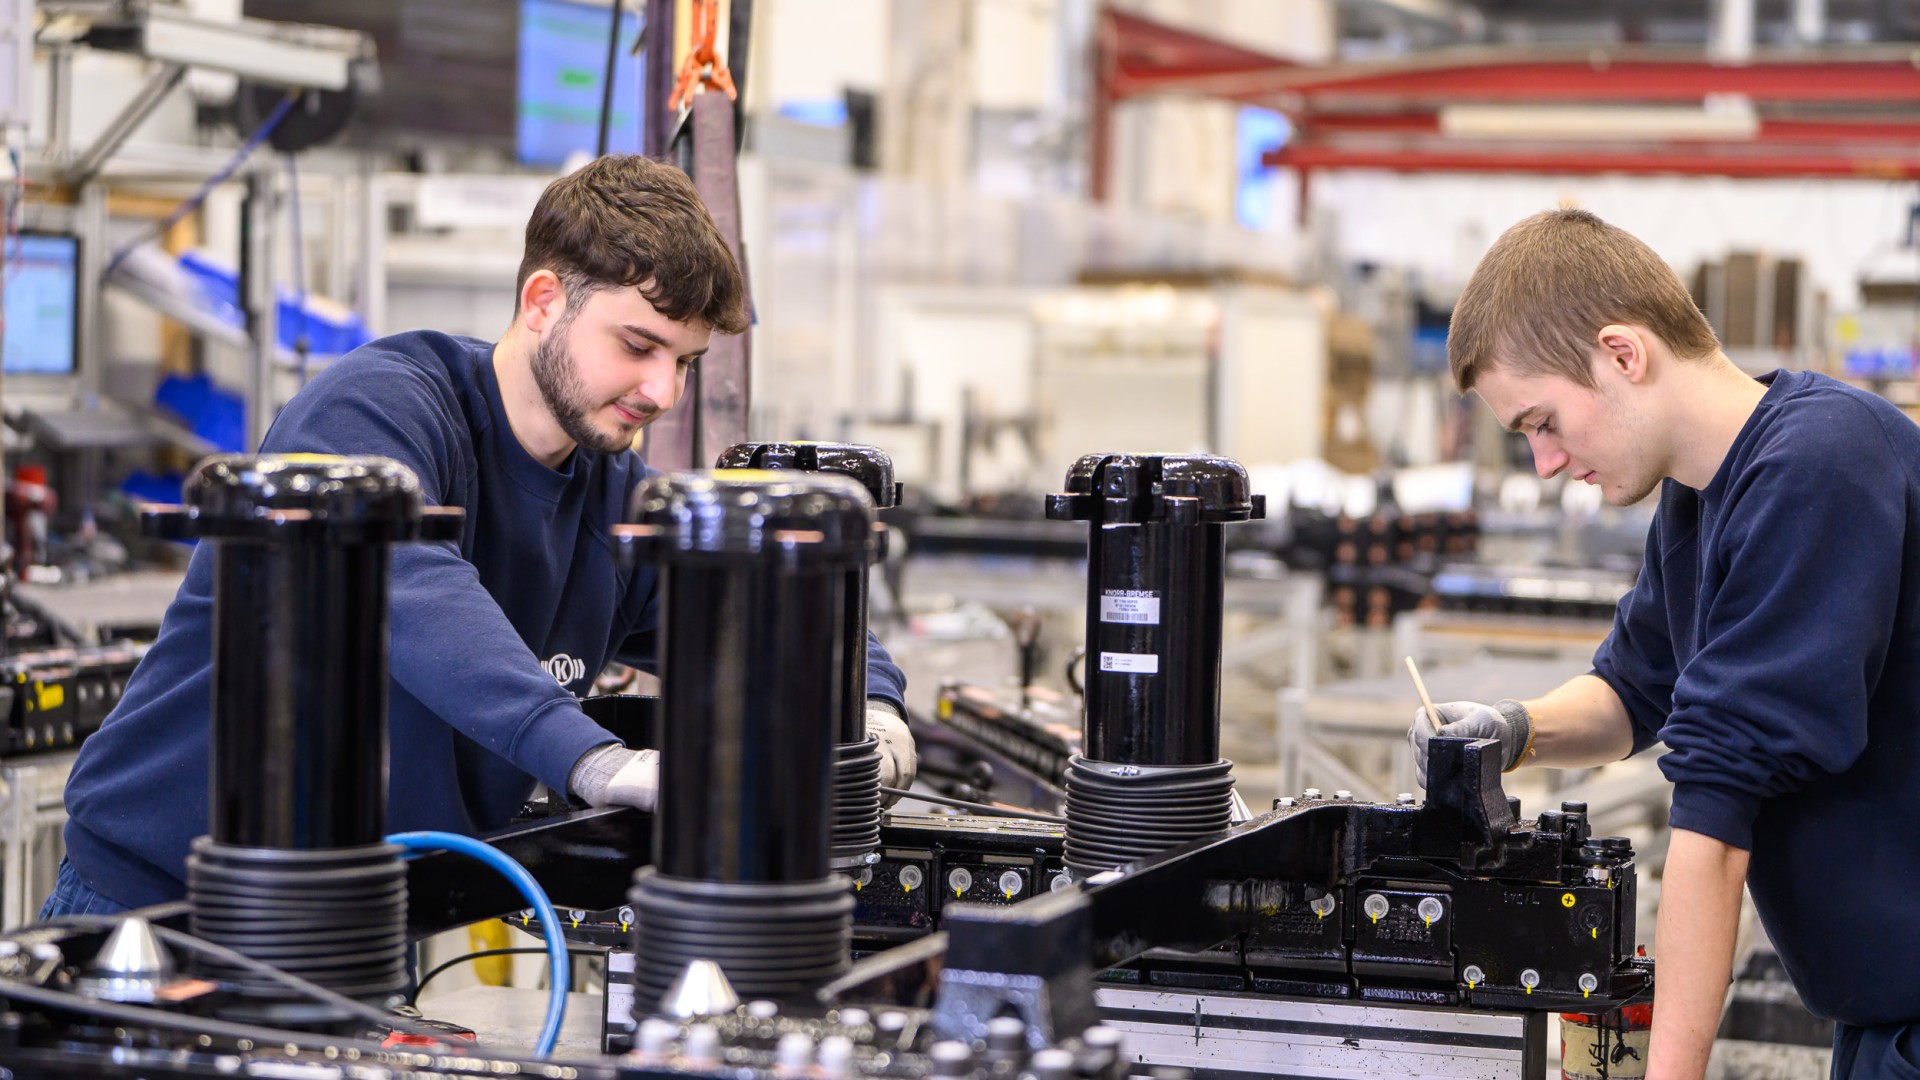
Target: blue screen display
{"x": 563, "y": 58}
{"x": 41, "y": 294}
{"x": 1258, "y": 131}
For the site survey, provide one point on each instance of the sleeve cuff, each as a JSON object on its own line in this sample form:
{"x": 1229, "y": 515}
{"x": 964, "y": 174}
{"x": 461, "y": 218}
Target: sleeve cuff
{"x": 552, "y": 740}
{"x": 1724, "y": 813}
{"x": 892, "y": 705}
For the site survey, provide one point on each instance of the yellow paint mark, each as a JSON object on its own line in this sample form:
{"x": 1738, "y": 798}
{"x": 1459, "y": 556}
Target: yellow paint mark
{"x": 946, "y": 709}
{"x": 49, "y": 697}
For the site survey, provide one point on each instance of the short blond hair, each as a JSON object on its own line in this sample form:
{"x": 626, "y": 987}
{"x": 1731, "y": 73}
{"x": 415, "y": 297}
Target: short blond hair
{"x": 1547, "y": 286}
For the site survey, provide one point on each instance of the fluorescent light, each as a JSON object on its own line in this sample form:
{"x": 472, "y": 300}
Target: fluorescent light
{"x": 1721, "y": 116}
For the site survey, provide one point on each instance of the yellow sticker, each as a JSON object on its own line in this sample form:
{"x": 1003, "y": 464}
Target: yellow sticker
{"x": 1566, "y": 899}
{"x": 50, "y": 697}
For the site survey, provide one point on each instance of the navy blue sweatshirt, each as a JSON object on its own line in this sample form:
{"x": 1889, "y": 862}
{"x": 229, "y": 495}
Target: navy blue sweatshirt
{"x": 492, "y": 637}
{"x": 1773, "y": 643}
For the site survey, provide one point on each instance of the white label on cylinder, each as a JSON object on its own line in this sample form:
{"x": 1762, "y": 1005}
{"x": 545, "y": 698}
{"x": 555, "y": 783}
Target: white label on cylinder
{"x": 1130, "y": 663}
{"x": 1130, "y": 606}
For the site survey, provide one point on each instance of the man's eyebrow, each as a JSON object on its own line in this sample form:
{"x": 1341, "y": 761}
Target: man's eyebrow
{"x": 641, "y": 331}
{"x": 1521, "y": 417}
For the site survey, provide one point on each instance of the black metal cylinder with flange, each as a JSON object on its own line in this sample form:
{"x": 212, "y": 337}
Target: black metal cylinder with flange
{"x": 294, "y": 869}
{"x": 856, "y": 767}
{"x": 1151, "y": 774}
{"x": 753, "y": 625}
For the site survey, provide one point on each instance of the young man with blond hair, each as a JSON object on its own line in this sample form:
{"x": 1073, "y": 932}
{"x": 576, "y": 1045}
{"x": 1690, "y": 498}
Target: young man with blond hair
{"x": 623, "y": 280}
{"x": 1772, "y": 641}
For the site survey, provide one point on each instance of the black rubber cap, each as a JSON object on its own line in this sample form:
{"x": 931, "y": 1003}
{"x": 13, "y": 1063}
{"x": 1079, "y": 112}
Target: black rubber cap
{"x": 1182, "y": 489}
{"x": 868, "y": 464}
{"x": 318, "y": 498}
{"x": 749, "y": 514}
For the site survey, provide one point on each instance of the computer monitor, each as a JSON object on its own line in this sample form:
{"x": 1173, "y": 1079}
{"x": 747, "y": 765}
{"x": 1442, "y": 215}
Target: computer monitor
{"x": 42, "y": 304}
{"x": 562, "y": 67}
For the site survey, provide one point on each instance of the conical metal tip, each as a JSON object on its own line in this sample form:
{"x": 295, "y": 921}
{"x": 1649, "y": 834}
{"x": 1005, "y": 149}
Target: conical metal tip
{"x": 131, "y": 966}
{"x": 701, "y": 990}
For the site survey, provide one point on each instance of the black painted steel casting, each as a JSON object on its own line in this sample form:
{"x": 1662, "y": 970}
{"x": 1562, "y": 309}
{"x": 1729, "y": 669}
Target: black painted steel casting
{"x": 1151, "y": 775}
{"x": 298, "y": 781}
{"x": 754, "y": 610}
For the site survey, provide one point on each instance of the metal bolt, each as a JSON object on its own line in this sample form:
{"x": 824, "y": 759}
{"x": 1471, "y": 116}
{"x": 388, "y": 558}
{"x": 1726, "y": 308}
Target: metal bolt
{"x": 1588, "y": 984}
{"x": 1375, "y": 906}
{"x": 960, "y": 880}
{"x": 1474, "y": 975}
{"x": 1405, "y": 798}
{"x": 911, "y": 877}
{"x": 1430, "y": 909}
{"x": 1311, "y": 793}
{"x": 1343, "y": 795}
{"x": 1283, "y": 802}
{"x": 1324, "y": 906}
{"x": 1011, "y": 884}
{"x": 1529, "y": 978}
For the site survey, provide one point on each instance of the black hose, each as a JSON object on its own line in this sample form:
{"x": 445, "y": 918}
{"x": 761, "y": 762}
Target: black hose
{"x": 606, "y": 86}
{"x": 484, "y": 953}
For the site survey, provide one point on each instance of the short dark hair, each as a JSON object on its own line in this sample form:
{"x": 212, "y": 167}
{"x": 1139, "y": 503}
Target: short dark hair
{"x": 627, "y": 221}
{"x": 1536, "y": 301}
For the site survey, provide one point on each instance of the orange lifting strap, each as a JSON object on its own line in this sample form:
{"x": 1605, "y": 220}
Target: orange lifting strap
{"x": 703, "y": 65}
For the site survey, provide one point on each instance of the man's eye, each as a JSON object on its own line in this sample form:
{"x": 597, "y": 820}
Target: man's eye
{"x": 1543, "y": 427}
{"x": 638, "y": 350}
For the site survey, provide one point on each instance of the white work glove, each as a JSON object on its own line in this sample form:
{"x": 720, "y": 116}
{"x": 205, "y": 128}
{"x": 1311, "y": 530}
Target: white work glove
{"x": 898, "y": 758}
{"x": 1505, "y": 720}
{"x": 613, "y": 775}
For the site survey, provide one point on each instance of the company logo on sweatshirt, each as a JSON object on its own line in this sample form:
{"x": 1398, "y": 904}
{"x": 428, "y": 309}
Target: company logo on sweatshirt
{"x": 564, "y": 668}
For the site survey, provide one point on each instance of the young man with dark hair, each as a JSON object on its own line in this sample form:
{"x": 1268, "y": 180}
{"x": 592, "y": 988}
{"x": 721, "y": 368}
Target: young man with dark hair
{"x": 1772, "y": 641}
{"x": 623, "y": 281}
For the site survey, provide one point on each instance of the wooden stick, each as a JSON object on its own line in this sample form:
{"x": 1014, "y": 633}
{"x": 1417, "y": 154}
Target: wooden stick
{"x": 1433, "y": 714}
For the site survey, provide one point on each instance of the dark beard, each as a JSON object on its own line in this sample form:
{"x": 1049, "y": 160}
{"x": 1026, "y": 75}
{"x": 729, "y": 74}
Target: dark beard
{"x": 566, "y": 396}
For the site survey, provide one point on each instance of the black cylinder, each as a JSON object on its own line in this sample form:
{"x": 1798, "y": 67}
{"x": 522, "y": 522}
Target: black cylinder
{"x": 1151, "y": 775}
{"x": 294, "y": 869}
{"x": 871, "y": 466}
{"x": 1156, "y": 576}
{"x": 753, "y": 620}
{"x": 855, "y": 833}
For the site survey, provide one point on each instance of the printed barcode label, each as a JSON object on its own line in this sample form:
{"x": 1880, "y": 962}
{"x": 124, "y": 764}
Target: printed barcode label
{"x": 1130, "y": 663}
{"x": 1128, "y": 606}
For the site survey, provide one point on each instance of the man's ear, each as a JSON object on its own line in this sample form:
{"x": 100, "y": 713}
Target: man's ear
{"x": 542, "y": 300}
{"x": 1622, "y": 350}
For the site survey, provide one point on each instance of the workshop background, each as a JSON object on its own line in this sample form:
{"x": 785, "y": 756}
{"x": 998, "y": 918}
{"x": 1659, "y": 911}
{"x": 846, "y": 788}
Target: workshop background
{"x": 988, "y": 237}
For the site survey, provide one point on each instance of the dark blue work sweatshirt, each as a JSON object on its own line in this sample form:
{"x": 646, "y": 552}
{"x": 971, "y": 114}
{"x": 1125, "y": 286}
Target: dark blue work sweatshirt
{"x": 1773, "y": 643}
{"x": 492, "y": 637}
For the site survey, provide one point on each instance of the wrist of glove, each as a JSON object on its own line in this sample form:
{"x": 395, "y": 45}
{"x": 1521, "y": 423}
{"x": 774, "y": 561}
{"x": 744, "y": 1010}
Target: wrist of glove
{"x": 613, "y": 775}
{"x": 1505, "y": 720}
{"x": 899, "y": 759}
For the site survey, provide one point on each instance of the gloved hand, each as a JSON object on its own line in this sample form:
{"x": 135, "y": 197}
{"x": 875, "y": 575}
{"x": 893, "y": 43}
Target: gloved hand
{"x": 1506, "y": 720}
{"x": 899, "y": 760}
{"x": 613, "y": 775}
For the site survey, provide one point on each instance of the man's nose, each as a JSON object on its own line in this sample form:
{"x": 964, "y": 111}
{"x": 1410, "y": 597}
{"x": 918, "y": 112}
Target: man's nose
{"x": 1548, "y": 459}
